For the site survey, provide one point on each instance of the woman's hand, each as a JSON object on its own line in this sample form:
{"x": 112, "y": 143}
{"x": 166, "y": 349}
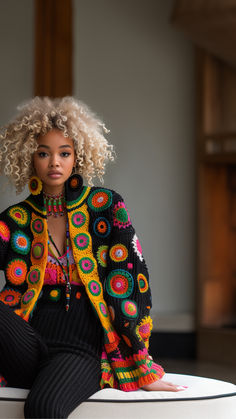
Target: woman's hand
{"x": 161, "y": 385}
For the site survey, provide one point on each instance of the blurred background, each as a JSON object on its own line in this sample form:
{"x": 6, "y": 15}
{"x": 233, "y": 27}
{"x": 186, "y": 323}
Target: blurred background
{"x": 162, "y": 76}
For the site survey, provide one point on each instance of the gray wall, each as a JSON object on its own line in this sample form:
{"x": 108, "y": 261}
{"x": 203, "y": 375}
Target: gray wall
{"x": 136, "y": 71}
{"x": 16, "y": 70}
{"x": 16, "y": 81}
{"x": 16, "y": 52}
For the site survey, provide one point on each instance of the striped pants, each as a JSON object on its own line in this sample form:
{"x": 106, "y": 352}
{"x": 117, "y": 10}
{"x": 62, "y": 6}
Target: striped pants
{"x": 58, "y": 382}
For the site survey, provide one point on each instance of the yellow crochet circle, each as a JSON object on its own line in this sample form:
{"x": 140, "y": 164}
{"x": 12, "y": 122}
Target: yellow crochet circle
{"x": 19, "y": 215}
{"x": 55, "y": 295}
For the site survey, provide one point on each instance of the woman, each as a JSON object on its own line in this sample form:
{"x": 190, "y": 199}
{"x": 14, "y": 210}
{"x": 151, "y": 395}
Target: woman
{"x": 75, "y": 307}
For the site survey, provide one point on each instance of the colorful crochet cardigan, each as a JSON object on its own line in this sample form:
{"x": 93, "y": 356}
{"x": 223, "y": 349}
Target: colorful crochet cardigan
{"x": 110, "y": 264}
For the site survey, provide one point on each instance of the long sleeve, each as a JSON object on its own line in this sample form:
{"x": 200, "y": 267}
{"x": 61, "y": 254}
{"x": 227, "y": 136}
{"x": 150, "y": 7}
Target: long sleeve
{"x": 128, "y": 295}
{"x": 127, "y": 281}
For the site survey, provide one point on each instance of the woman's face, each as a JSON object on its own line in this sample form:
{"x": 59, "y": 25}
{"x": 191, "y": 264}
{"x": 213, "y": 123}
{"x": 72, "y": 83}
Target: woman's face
{"x": 54, "y": 160}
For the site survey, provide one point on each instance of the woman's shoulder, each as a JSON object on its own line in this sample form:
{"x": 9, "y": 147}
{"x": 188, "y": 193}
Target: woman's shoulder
{"x": 17, "y": 212}
{"x": 104, "y": 193}
{"x": 111, "y": 203}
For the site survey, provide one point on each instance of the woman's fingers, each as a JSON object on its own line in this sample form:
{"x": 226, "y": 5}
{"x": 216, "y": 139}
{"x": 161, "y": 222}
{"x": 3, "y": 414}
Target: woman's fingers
{"x": 161, "y": 385}
{"x": 174, "y": 386}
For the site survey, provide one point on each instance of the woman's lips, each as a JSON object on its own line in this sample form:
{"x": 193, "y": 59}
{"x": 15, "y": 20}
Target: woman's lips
{"x": 54, "y": 175}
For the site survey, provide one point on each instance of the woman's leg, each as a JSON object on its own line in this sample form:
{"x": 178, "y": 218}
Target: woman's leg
{"x": 64, "y": 381}
{"x": 20, "y": 349}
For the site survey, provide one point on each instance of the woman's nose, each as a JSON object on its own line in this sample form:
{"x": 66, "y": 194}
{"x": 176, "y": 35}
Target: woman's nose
{"x": 53, "y": 161}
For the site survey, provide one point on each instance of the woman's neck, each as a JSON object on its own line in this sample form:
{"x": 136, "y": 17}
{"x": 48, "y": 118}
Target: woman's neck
{"x": 53, "y": 190}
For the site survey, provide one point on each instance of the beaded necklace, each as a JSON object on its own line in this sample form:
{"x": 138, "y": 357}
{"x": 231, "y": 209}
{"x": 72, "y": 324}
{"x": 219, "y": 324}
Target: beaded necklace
{"x": 66, "y": 274}
{"x": 55, "y": 204}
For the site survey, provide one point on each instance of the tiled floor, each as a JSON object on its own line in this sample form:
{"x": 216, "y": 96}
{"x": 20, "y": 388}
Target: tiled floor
{"x": 204, "y": 369}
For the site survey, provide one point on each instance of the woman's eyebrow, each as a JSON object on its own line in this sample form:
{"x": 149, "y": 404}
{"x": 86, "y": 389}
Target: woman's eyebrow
{"x": 48, "y": 147}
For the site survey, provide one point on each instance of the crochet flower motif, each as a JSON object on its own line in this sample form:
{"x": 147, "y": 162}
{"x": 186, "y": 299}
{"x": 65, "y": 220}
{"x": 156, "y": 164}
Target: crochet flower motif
{"x": 19, "y": 215}
{"x": 102, "y": 255}
{"x": 129, "y": 308}
{"x": 81, "y": 241}
{"x": 4, "y": 232}
{"x": 33, "y": 276}
{"x": 94, "y": 288}
{"x": 20, "y": 242}
{"x": 35, "y": 185}
{"x": 10, "y": 297}
{"x": 16, "y": 271}
{"x": 37, "y": 250}
{"x": 78, "y": 219}
{"x": 86, "y": 265}
{"x": 103, "y": 309}
{"x": 37, "y": 226}
{"x": 118, "y": 253}
{"x": 137, "y": 247}
{"x": 119, "y": 283}
{"x": 143, "y": 329}
{"x": 28, "y": 296}
{"x": 55, "y": 294}
{"x": 142, "y": 283}
{"x": 121, "y": 216}
{"x": 100, "y": 199}
{"x": 101, "y": 227}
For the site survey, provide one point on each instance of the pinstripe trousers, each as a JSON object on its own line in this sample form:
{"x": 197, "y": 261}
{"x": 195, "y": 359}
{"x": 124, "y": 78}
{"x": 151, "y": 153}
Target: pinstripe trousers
{"x": 58, "y": 381}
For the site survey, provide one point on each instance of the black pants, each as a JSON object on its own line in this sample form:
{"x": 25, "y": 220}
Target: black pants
{"x": 58, "y": 382}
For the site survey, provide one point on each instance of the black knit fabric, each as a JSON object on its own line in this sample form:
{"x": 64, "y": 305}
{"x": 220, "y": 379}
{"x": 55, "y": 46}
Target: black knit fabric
{"x": 59, "y": 380}
{"x": 74, "y": 331}
{"x": 63, "y": 383}
{"x": 21, "y": 349}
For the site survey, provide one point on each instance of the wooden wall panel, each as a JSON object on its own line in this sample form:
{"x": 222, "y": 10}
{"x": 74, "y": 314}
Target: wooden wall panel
{"x": 53, "y": 48}
{"x": 210, "y": 24}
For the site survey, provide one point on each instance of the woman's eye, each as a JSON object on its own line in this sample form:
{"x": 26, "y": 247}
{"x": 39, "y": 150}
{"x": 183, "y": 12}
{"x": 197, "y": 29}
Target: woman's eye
{"x": 42, "y": 154}
{"x": 65, "y": 154}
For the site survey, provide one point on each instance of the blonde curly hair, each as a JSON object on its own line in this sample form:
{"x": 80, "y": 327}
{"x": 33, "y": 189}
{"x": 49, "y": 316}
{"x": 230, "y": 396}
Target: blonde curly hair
{"x": 18, "y": 139}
